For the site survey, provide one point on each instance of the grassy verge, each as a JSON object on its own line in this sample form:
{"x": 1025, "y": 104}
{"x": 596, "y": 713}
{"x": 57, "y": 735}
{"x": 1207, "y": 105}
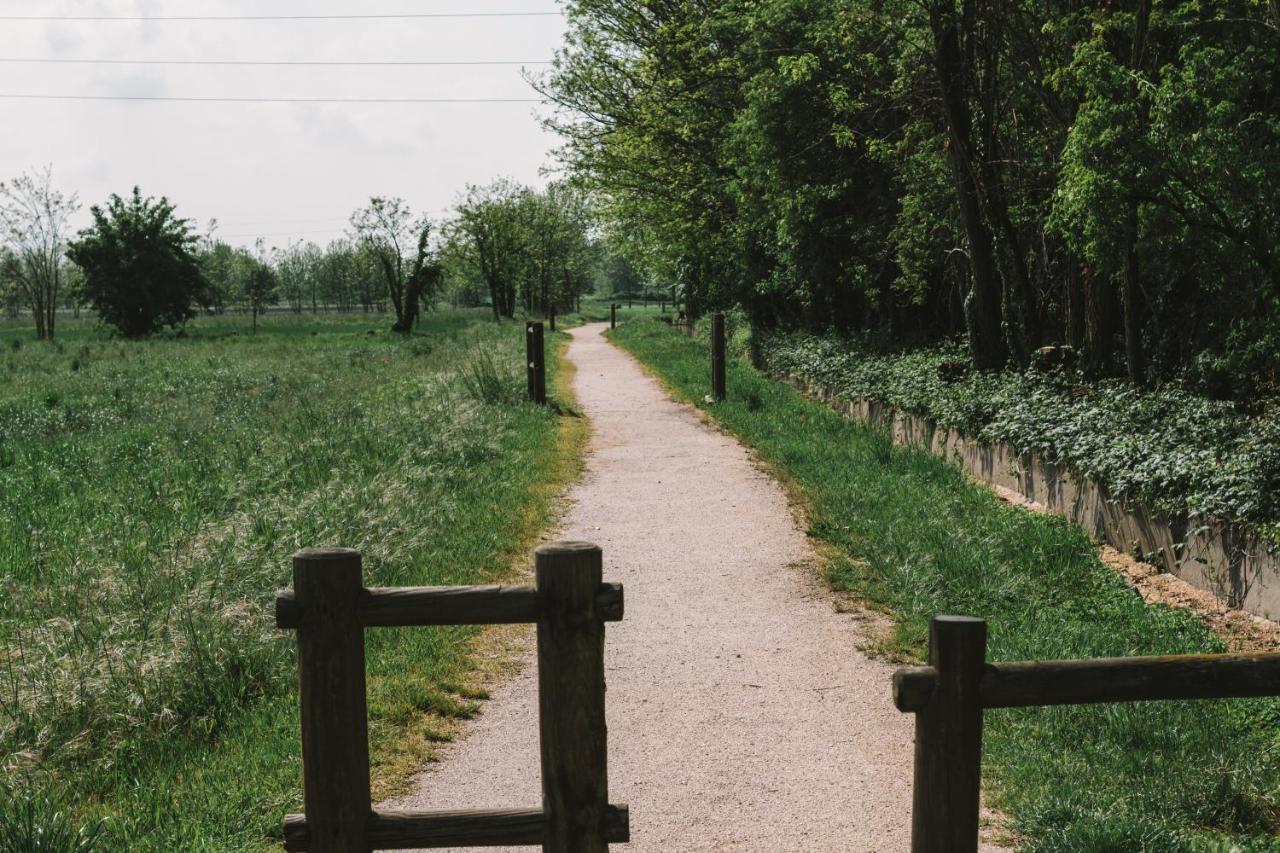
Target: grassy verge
{"x": 150, "y": 494}
{"x": 909, "y": 533}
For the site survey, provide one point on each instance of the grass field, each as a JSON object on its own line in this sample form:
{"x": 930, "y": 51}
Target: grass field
{"x": 150, "y": 495}
{"x": 910, "y": 534}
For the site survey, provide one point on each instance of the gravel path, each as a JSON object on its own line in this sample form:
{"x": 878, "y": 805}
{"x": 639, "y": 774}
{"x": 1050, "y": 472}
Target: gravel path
{"x": 741, "y": 715}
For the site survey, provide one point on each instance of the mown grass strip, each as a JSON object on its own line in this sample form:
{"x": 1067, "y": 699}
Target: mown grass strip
{"x": 150, "y": 496}
{"x": 910, "y": 534}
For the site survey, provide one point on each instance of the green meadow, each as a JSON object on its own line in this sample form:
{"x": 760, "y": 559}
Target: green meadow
{"x": 151, "y": 493}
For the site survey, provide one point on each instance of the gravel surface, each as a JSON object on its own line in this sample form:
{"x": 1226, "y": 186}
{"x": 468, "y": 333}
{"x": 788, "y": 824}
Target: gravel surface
{"x": 741, "y": 715}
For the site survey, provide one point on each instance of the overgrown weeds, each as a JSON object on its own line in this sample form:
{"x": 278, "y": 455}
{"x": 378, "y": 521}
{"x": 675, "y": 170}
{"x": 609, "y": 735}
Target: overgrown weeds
{"x": 148, "y": 505}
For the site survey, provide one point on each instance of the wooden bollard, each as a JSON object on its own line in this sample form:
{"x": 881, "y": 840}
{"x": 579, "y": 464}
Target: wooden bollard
{"x": 535, "y": 356}
{"x": 553, "y": 318}
{"x": 613, "y": 316}
{"x": 331, "y": 687}
{"x": 948, "y": 771}
{"x": 717, "y": 356}
{"x": 571, "y": 723}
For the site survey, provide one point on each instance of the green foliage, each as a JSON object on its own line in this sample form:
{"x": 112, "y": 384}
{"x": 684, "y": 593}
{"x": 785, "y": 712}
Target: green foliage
{"x": 1022, "y": 173}
{"x": 139, "y": 263}
{"x": 524, "y": 247}
{"x": 35, "y": 825}
{"x": 915, "y": 537}
{"x": 1170, "y": 449}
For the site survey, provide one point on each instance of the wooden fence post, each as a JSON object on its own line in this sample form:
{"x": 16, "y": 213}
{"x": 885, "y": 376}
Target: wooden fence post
{"x": 613, "y": 316}
{"x": 575, "y": 780}
{"x": 553, "y": 318}
{"x": 717, "y": 356}
{"x": 944, "y": 811}
{"x": 535, "y": 356}
{"x": 331, "y": 687}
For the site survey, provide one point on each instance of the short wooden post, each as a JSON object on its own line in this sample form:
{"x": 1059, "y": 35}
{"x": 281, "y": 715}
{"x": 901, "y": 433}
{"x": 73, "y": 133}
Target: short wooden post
{"x": 948, "y": 771}
{"x": 613, "y": 316}
{"x": 335, "y": 733}
{"x": 662, "y": 306}
{"x": 575, "y": 780}
{"x": 535, "y": 357}
{"x": 717, "y": 356}
{"x": 553, "y": 318}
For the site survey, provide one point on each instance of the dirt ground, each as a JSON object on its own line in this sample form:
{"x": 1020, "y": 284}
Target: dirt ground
{"x": 742, "y": 716}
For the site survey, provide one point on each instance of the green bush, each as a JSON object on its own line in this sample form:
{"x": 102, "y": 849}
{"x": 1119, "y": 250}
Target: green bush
{"x": 1172, "y": 450}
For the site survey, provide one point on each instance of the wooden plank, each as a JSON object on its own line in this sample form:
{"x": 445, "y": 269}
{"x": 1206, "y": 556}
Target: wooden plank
{"x": 331, "y": 686}
{"x": 717, "y": 356}
{"x": 1077, "y": 682}
{"x": 450, "y": 605}
{"x": 571, "y": 722}
{"x": 535, "y": 357}
{"x": 944, "y": 810}
{"x": 913, "y": 687}
{"x": 395, "y": 830}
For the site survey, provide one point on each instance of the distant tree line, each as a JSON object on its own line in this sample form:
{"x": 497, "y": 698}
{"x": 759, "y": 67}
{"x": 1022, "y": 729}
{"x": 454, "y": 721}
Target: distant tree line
{"x": 142, "y": 267}
{"x": 1103, "y": 175}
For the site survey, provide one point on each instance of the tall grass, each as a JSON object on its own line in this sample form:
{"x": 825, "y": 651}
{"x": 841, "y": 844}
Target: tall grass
{"x": 912, "y": 535}
{"x": 150, "y": 494}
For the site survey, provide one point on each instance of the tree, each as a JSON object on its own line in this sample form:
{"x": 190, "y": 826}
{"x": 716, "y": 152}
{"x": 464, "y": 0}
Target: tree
{"x": 386, "y": 230}
{"x": 140, "y": 267}
{"x": 34, "y": 224}
{"x": 259, "y": 282}
{"x": 485, "y": 232}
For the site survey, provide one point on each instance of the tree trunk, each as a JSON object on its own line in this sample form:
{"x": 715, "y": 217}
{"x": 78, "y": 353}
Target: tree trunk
{"x": 1075, "y": 325}
{"x": 1100, "y": 327}
{"x": 983, "y": 303}
{"x": 1135, "y": 356}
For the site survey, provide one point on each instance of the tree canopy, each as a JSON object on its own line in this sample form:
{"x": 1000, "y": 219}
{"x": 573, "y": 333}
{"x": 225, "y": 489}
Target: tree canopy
{"x": 140, "y": 267}
{"x": 1022, "y": 172}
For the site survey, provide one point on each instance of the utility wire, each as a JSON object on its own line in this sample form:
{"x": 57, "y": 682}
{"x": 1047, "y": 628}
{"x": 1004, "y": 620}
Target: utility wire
{"x": 416, "y": 16}
{"x": 215, "y": 100}
{"x": 50, "y": 60}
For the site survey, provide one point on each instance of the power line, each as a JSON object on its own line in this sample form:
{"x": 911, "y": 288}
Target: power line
{"x": 57, "y": 61}
{"x": 215, "y": 100}
{"x": 412, "y": 16}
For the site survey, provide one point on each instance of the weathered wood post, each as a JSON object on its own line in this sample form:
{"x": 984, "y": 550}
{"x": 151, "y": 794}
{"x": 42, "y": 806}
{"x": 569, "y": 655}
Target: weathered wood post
{"x": 553, "y": 318}
{"x": 535, "y": 357}
{"x": 613, "y": 315}
{"x": 717, "y": 356}
{"x": 575, "y": 779}
{"x": 944, "y": 811}
{"x": 662, "y": 306}
{"x": 335, "y": 732}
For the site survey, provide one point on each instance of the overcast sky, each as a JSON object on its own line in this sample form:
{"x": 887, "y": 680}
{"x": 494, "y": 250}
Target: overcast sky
{"x": 284, "y": 171}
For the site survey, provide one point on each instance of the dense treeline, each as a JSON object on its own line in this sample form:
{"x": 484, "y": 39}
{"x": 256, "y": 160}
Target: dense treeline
{"x": 508, "y": 246}
{"x": 1100, "y": 175}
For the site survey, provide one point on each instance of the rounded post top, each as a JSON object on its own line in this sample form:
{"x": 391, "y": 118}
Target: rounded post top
{"x": 959, "y": 621}
{"x": 548, "y": 549}
{"x": 316, "y": 555}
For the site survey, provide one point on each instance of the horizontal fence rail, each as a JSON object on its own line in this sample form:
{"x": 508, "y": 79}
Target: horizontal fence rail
{"x": 949, "y": 695}
{"x": 399, "y": 607}
{"x": 330, "y": 609}
{"x": 400, "y": 830}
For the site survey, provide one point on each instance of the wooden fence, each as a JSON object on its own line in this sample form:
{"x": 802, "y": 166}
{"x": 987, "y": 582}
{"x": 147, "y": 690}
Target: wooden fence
{"x": 949, "y": 695}
{"x": 330, "y": 608}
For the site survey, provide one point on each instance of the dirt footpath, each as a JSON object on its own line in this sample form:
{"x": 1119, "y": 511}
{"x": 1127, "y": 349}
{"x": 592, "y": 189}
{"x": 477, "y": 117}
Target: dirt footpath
{"x": 741, "y": 715}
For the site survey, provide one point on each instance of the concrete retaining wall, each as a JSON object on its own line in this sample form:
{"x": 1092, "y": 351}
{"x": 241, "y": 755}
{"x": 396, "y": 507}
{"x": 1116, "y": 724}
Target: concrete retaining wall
{"x": 1223, "y": 558}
